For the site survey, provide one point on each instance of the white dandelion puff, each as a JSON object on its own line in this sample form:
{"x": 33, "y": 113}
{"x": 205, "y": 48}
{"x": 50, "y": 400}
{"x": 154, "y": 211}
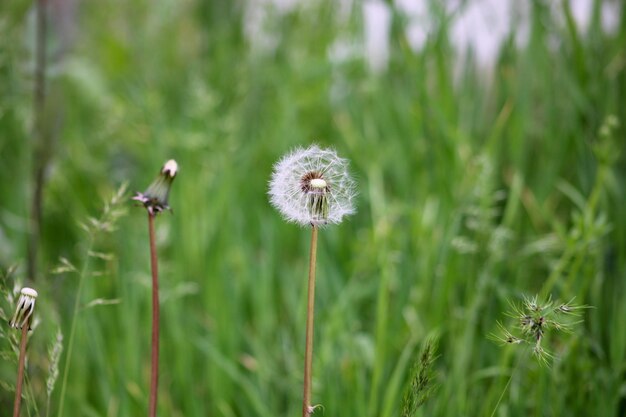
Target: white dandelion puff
{"x": 312, "y": 186}
{"x": 25, "y": 308}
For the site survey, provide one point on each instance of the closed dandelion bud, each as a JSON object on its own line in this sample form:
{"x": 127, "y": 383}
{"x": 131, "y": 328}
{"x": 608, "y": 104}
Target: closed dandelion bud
{"x": 312, "y": 186}
{"x": 25, "y": 308}
{"x": 155, "y": 198}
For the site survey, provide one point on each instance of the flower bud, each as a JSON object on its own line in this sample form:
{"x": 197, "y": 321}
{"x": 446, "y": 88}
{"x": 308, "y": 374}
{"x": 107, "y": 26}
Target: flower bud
{"x": 25, "y": 308}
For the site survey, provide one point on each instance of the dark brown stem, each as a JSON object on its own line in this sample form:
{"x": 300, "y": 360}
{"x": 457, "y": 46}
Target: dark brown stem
{"x": 154, "y": 376}
{"x": 20, "y": 370}
{"x": 308, "y": 355}
{"x": 40, "y": 141}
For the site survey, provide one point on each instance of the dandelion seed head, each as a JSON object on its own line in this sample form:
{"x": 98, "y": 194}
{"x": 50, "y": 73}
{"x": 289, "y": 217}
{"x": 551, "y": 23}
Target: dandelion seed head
{"x": 155, "y": 198}
{"x": 312, "y": 186}
{"x": 25, "y": 308}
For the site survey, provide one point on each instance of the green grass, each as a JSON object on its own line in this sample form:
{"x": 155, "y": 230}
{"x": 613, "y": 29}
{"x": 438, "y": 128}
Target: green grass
{"x": 475, "y": 189}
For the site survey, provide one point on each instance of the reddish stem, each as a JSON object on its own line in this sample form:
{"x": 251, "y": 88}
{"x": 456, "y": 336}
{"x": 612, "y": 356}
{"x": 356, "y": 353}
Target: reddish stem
{"x": 154, "y": 376}
{"x": 20, "y": 370}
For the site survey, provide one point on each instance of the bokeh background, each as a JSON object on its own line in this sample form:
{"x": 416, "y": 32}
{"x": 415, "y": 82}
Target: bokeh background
{"x": 487, "y": 140}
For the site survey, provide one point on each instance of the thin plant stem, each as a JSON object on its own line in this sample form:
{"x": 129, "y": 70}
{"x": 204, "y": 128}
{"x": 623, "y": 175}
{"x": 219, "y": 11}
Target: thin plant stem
{"x": 154, "y": 375}
{"x": 20, "y": 370}
{"x": 40, "y": 150}
{"x": 502, "y": 395}
{"x": 70, "y": 343}
{"x": 308, "y": 355}
{"x": 506, "y": 387}
{"x": 31, "y": 395}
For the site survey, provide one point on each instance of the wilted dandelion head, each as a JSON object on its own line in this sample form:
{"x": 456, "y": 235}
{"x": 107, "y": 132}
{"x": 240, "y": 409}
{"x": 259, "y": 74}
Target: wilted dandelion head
{"x": 312, "y": 186}
{"x": 155, "y": 198}
{"x": 25, "y": 308}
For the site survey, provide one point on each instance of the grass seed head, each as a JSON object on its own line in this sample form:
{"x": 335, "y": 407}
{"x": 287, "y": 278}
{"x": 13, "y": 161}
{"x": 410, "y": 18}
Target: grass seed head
{"x": 536, "y": 319}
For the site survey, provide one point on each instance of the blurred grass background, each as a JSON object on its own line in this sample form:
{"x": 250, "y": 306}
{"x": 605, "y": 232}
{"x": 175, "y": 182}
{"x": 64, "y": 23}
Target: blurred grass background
{"x": 479, "y": 183}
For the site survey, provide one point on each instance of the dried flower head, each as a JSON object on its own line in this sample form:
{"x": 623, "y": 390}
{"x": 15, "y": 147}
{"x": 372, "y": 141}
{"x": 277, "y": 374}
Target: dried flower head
{"x": 25, "y": 308}
{"x": 155, "y": 198}
{"x": 312, "y": 186}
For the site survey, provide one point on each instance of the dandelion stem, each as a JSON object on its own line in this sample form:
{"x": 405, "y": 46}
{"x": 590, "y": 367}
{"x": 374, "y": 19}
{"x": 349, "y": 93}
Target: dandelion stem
{"x": 308, "y": 356}
{"x": 154, "y": 376}
{"x": 20, "y": 370}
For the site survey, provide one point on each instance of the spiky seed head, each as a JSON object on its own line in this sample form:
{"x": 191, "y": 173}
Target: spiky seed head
{"x": 312, "y": 186}
{"x": 25, "y": 308}
{"x": 155, "y": 198}
{"x": 536, "y": 319}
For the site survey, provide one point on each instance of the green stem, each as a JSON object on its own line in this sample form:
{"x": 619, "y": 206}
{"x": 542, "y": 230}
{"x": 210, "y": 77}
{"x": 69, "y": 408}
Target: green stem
{"x": 570, "y": 251}
{"x": 70, "y": 344}
{"x": 31, "y": 396}
{"x": 40, "y": 140}
{"x": 495, "y": 408}
{"x": 556, "y": 273}
{"x": 382, "y": 316}
{"x": 308, "y": 355}
{"x": 20, "y": 370}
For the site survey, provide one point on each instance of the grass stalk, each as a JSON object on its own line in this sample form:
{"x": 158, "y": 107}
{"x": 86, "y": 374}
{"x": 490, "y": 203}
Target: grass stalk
{"x": 93, "y": 226}
{"x": 308, "y": 355}
{"x": 506, "y": 386}
{"x": 154, "y": 373}
{"x": 20, "y": 370}
{"x": 40, "y": 151}
{"x": 70, "y": 343}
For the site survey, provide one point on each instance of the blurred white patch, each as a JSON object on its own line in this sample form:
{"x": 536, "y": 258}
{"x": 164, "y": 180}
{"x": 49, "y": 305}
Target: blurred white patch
{"x": 581, "y": 10}
{"x": 482, "y": 26}
{"x": 412, "y": 7}
{"x": 419, "y": 21}
{"x": 344, "y": 9}
{"x": 257, "y": 22}
{"x": 343, "y": 50}
{"x": 261, "y": 38}
{"x": 610, "y": 17}
{"x": 377, "y": 18}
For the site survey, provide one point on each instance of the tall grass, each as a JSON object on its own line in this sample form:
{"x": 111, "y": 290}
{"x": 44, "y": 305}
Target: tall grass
{"x": 476, "y": 188}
